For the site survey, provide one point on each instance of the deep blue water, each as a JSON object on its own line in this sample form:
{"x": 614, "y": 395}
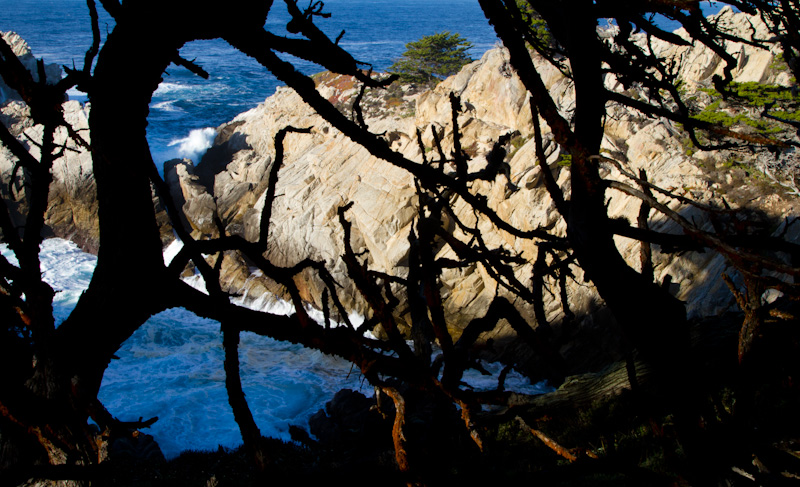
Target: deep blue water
{"x": 171, "y": 367}
{"x": 376, "y": 33}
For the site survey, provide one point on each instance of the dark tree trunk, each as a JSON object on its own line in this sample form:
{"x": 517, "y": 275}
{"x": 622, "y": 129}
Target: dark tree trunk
{"x": 129, "y": 283}
{"x": 654, "y": 321}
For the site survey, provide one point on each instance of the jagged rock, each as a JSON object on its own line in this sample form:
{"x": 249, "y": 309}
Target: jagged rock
{"x": 23, "y": 53}
{"x": 72, "y": 199}
{"x": 197, "y": 207}
{"x": 138, "y": 446}
{"x": 698, "y": 63}
{"x": 324, "y": 170}
{"x": 72, "y": 206}
{"x": 349, "y": 416}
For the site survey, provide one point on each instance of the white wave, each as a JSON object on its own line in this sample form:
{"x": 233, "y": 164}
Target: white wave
{"x": 75, "y": 94}
{"x": 8, "y": 254}
{"x": 66, "y": 268}
{"x": 194, "y": 145}
{"x": 197, "y": 282}
{"x": 266, "y": 303}
{"x": 166, "y": 106}
{"x": 514, "y": 380}
{"x": 166, "y": 87}
{"x": 172, "y": 367}
{"x": 272, "y": 304}
{"x": 172, "y": 250}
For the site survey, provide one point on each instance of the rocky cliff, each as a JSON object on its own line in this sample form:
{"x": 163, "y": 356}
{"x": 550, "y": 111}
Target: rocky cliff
{"x": 23, "y": 52}
{"x": 324, "y": 171}
{"x": 72, "y": 199}
{"x": 72, "y": 210}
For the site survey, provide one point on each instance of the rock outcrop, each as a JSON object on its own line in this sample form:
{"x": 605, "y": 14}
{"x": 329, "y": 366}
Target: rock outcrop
{"x": 698, "y": 64}
{"x": 324, "y": 170}
{"x": 72, "y": 199}
{"x": 72, "y": 207}
{"x": 23, "y": 53}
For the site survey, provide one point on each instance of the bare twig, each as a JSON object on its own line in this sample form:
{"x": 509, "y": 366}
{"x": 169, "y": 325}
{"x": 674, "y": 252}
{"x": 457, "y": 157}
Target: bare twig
{"x": 549, "y": 442}
{"x": 398, "y": 434}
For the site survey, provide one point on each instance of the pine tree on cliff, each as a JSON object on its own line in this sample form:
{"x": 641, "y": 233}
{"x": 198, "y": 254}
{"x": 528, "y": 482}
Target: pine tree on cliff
{"x": 432, "y": 58}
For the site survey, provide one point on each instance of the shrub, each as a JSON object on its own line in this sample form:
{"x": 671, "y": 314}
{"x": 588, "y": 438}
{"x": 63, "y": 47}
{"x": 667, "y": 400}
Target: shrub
{"x": 432, "y": 58}
{"x": 538, "y": 26}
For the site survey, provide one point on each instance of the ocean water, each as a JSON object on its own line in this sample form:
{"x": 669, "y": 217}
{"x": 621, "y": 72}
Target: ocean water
{"x": 376, "y": 32}
{"x": 172, "y": 367}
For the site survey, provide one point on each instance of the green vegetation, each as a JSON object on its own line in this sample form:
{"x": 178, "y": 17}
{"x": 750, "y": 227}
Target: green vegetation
{"x": 779, "y": 64}
{"x": 516, "y": 144}
{"x": 432, "y": 58}
{"x": 688, "y": 146}
{"x": 538, "y": 26}
{"x": 759, "y": 106}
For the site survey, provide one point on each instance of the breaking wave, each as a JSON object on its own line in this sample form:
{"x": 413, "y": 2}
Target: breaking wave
{"x": 194, "y": 145}
{"x": 172, "y": 367}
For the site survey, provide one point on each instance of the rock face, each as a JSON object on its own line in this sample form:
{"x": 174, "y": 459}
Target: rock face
{"x": 699, "y": 64}
{"x": 72, "y": 200}
{"x": 23, "y": 53}
{"x": 72, "y": 208}
{"x": 324, "y": 170}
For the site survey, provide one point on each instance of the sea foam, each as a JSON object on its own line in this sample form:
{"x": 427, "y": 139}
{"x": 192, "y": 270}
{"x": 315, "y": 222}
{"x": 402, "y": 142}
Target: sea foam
{"x": 172, "y": 367}
{"x": 194, "y": 145}
{"x": 166, "y": 88}
{"x": 66, "y": 268}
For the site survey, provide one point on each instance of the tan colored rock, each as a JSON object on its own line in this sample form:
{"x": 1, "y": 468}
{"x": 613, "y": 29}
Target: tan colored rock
{"x": 197, "y": 207}
{"x": 72, "y": 206}
{"x": 698, "y": 63}
{"x": 324, "y": 170}
{"x": 24, "y": 54}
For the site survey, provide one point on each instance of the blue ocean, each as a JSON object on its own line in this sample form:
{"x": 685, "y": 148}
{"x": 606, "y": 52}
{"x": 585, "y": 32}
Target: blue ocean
{"x": 172, "y": 366}
{"x": 376, "y": 32}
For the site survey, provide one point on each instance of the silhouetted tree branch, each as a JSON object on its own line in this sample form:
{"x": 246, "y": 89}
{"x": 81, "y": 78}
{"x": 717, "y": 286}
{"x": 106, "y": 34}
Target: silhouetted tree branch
{"x": 54, "y": 400}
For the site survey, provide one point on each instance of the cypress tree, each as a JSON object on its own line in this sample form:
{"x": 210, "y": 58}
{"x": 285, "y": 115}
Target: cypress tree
{"x": 432, "y": 58}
